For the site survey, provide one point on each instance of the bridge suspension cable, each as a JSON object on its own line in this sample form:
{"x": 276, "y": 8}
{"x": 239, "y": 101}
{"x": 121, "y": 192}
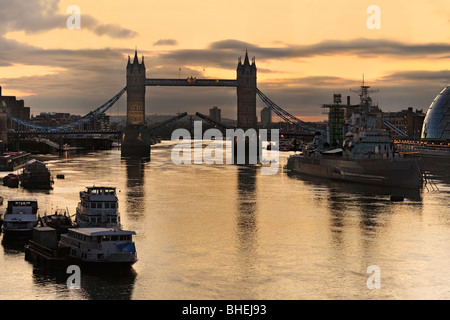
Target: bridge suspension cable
{"x": 76, "y": 123}
{"x": 286, "y": 116}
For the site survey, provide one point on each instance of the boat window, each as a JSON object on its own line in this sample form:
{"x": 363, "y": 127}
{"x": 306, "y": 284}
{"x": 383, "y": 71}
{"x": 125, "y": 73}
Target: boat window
{"x": 113, "y": 205}
{"x": 106, "y": 205}
{"x": 114, "y": 238}
{"x": 105, "y": 238}
{"x": 123, "y": 238}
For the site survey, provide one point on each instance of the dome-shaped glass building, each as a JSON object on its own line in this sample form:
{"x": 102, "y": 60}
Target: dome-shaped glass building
{"x": 436, "y": 125}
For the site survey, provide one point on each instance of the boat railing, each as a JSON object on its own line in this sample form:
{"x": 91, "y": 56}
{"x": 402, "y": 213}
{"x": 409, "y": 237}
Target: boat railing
{"x": 101, "y": 212}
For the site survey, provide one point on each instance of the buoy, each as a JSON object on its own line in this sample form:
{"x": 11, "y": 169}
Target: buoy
{"x": 13, "y": 182}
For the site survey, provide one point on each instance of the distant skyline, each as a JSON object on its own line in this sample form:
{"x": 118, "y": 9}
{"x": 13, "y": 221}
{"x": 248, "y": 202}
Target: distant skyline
{"x": 305, "y": 51}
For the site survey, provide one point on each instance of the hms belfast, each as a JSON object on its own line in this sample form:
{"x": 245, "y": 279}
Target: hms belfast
{"x": 136, "y": 138}
{"x": 356, "y": 148}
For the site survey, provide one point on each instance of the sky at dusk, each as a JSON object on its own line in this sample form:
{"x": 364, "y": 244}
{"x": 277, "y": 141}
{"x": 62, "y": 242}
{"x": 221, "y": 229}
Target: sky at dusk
{"x": 305, "y": 51}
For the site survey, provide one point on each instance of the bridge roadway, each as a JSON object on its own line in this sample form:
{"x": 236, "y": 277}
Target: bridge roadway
{"x": 60, "y": 132}
{"x": 191, "y": 82}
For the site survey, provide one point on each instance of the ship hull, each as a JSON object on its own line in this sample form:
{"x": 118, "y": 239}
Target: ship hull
{"x": 403, "y": 173}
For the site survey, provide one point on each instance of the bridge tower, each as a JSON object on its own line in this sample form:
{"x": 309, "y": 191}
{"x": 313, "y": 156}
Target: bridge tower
{"x": 135, "y": 91}
{"x": 246, "y": 94}
{"x": 136, "y": 137}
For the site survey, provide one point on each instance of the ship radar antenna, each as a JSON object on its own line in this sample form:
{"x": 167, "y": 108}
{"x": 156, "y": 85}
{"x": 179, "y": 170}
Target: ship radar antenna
{"x": 363, "y": 93}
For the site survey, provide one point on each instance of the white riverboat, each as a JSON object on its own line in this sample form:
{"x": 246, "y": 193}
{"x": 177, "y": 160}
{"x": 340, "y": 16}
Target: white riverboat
{"x": 98, "y": 207}
{"x": 20, "y": 217}
{"x": 100, "y": 246}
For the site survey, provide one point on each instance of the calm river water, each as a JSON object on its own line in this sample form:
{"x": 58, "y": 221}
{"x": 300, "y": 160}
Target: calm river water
{"x": 227, "y": 232}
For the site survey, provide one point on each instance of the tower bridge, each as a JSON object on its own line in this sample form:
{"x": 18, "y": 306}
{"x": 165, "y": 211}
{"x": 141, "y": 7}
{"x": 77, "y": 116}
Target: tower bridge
{"x": 136, "y": 133}
{"x": 136, "y": 137}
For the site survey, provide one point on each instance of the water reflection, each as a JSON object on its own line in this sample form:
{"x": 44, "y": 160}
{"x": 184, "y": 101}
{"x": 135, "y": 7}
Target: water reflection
{"x": 135, "y": 192}
{"x": 363, "y": 191}
{"x": 438, "y": 168}
{"x": 95, "y": 284}
{"x": 347, "y": 202}
{"x": 98, "y": 286}
{"x": 246, "y": 203}
{"x": 337, "y": 208}
{"x": 247, "y": 226}
{"x": 13, "y": 246}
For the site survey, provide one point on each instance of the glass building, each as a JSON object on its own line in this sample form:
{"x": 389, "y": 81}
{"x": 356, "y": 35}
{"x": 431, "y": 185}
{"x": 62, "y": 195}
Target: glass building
{"x": 436, "y": 125}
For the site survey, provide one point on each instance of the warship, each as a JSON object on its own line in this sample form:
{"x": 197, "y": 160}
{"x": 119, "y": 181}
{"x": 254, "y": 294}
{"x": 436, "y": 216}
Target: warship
{"x": 357, "y": 148}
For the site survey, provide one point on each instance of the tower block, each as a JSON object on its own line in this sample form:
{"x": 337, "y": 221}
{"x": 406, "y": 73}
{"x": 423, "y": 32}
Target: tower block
{"x": 246, "y": 104}
{"x": 246, "y": 94}
{"x": 136, "y": 136}
{"x": 135, "y": 91}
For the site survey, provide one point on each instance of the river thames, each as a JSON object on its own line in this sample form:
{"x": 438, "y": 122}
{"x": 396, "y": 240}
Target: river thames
{"x": 227, "y": 232}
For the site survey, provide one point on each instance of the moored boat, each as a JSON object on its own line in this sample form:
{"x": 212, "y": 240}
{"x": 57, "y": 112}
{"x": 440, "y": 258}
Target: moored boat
{"x": 100, "y": 246}
{"x": 98, "y": 207}
{"x": 11, "y": 161}
{"x": 11, "y": 180}
{"x": 20, "y": 217}
{"x": 356, "y": 148}
{"x": 36, "y": 176}
{"x": 60, "y": 221}
{"x": 43, "y": 250}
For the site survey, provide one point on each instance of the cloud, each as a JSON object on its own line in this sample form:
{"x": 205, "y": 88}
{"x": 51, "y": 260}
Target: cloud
{"x": 90, "y": 77}
{"x": 34, "y": 16}
{"x": 419, "y": 75}
{"x": 220, "y": 53}
{"x": 166, "y": 42}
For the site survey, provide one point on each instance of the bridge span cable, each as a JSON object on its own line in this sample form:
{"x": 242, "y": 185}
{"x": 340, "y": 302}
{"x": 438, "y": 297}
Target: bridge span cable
{"x": 76, "y": 123}
{"x": 177, "y": 117}
{"x": 286, "y": 116}
{"x": 212, "y": 121}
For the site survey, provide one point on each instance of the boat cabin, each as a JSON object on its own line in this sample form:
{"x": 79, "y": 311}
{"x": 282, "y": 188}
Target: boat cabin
{"x": 100, "y": 245}
{"x": 98, "y": 207}
{"x": 99, "y": 198}
{"x": 22, "y": 206}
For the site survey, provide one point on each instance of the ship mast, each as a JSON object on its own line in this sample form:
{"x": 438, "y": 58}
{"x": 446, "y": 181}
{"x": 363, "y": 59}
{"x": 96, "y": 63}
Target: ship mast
{"x": 366, "y": 108}
{"x": 365, "y": 100}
